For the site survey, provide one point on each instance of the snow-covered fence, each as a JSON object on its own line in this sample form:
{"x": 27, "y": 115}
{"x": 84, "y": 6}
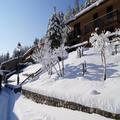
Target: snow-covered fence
{"x": 75, "y": 47}
{"x": 80, "y": 51}
{"x": 84, "y": 67}
{"x": 32, "y": 76}
{"x": 38, "y": 98}
{"x": 0, "y": 82}
{"x": 1, "y": 77}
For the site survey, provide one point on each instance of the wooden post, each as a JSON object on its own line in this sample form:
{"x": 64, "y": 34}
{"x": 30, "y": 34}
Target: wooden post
{"x": 83, "y": 68}
{"x": 0, "y": 82}
{"x": 115, "y": 49}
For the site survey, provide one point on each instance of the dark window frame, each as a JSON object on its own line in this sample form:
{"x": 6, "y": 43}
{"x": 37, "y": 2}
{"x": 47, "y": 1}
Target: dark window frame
{"x": 77, "y": 30}
{"x": 109, "y": 10}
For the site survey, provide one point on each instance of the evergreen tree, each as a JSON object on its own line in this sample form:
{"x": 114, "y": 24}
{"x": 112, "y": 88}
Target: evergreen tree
{"x": 7, "y": 56}
{"x": 76, "y": 6}
{"x": 88, "y": 2}
{"x": 55, "y": 29}
{"x": 4, "y": 57}
{"x": 36, "y": 41}
{"x": 53, "y": 47}
{"x": 22, "y": 51}
{"x": 82, "y": 6}
{"x": 69, "y": 13}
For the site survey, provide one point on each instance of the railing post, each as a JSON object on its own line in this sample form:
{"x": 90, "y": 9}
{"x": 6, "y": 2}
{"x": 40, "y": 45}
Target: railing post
{"x": 0, "y": 83}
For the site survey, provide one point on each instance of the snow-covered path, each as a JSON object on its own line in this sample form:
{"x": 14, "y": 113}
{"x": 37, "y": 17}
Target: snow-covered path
{"x": 17, "y": 107}
{"x": 28, "y": 110}
{"x": 4, "y": 101}
{"x": 7, "y": 101}
{"x": 11, "y": 103}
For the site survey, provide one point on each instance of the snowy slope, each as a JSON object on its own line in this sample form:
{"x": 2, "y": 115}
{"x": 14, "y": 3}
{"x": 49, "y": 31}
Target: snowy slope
{"x": 89, "y": 90}
{"x": 4, "y": 97}
{"x": 28, "y": 110}
{"x": 26, "y": 72}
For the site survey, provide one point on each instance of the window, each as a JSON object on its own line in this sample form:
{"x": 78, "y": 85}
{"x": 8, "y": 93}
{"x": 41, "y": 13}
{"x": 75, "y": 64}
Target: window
{"x": 109, "y": 9}
{"x": 109, "y": 12}
{"x": 96, "y": 21}
{"x": 95, "y": 16}
{"x": 77, "y": 30}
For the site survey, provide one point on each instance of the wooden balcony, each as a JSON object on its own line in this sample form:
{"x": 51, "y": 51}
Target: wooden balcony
{"x": 102, "y": 22}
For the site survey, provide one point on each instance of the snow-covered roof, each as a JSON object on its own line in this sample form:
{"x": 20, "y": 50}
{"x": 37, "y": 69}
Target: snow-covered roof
{"x": 10, "y": 60}
{"x": 78, "y": 45}
{"x": 98, "y": 2}
{"x": 95, "y": 4}
{"x": 28, "y": 51}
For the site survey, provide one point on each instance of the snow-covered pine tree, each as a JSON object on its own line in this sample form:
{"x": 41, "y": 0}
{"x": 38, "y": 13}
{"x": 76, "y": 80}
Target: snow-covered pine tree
{"x": 68, "y": 13}
{"x": 36, "y": 41}
{"x": 4, "y": 57}
{"x": 53, "y": 47}
{"x": 54, "y": 31}
{"x": 76, "y": 6}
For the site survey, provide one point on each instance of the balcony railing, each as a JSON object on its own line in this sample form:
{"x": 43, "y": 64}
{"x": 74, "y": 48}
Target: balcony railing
{"x": 102, "y": 21}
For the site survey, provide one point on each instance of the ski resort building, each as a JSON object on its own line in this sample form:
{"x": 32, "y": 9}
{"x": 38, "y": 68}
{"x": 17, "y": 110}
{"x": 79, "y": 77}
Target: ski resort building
{"x": 102, "y": 14}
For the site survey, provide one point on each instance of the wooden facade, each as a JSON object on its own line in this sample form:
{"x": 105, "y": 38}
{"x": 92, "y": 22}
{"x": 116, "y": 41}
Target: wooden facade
{"x": 105, "y": 16}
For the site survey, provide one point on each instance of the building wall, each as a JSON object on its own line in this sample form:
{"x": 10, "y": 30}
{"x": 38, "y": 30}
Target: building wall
{"x": 87, "y": 17}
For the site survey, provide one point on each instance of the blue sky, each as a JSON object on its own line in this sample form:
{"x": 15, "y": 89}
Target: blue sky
{"x": 24, "y": 20}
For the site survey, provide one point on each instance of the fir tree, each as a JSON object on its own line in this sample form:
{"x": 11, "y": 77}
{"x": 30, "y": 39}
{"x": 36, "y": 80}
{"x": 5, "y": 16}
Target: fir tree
{"x": 55, "y": 29}
{"x": 53, "y": 47}
{"x": 7, "y": 56}
{"x": 36, "y": 41}
{"x": 69, "y": 13}
{"x": 76, "y": 6}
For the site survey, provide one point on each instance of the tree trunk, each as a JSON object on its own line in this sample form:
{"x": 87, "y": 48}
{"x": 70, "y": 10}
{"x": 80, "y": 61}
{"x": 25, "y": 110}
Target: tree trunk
{"x": 62, "y": 66}
{"x": 104, "y": 64}
{"x": 55, "y": 69}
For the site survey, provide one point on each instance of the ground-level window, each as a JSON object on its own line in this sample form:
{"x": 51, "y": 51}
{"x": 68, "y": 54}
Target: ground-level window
{"x": 109, "y": 12}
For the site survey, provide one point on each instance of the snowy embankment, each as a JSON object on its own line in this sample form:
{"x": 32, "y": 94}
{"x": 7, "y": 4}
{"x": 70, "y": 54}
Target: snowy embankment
{"x": 4, "y": 98}
{"x": 31, "y": 69}
{"x": 28, "y": 110}
{"x": 89, "y": 90}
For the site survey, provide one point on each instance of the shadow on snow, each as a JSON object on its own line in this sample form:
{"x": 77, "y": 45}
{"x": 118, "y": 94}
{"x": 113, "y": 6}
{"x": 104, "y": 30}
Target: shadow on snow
{"x": 94, "y": 72}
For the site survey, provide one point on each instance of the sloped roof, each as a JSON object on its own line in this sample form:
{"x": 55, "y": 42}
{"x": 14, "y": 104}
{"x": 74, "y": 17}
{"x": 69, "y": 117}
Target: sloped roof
{"x": 95, "y": 4}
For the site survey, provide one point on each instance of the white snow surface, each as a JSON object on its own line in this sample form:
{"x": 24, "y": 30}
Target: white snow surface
{"x": 89, "y": 90}
{"x": 3, "y": 105}
{"x": 26, "y": 109}
{"x": 26, "y": 72}
{"x": 17, "y": 107}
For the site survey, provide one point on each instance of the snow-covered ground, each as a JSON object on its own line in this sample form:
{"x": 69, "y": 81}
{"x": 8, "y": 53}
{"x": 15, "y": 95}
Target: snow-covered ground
{"x": 26, "y": 72}
{"x": 89, "y": 90}
{"x": 28, "y": 110}
{"x": 17, "y": 107}
{"x": 3, "y": 105}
